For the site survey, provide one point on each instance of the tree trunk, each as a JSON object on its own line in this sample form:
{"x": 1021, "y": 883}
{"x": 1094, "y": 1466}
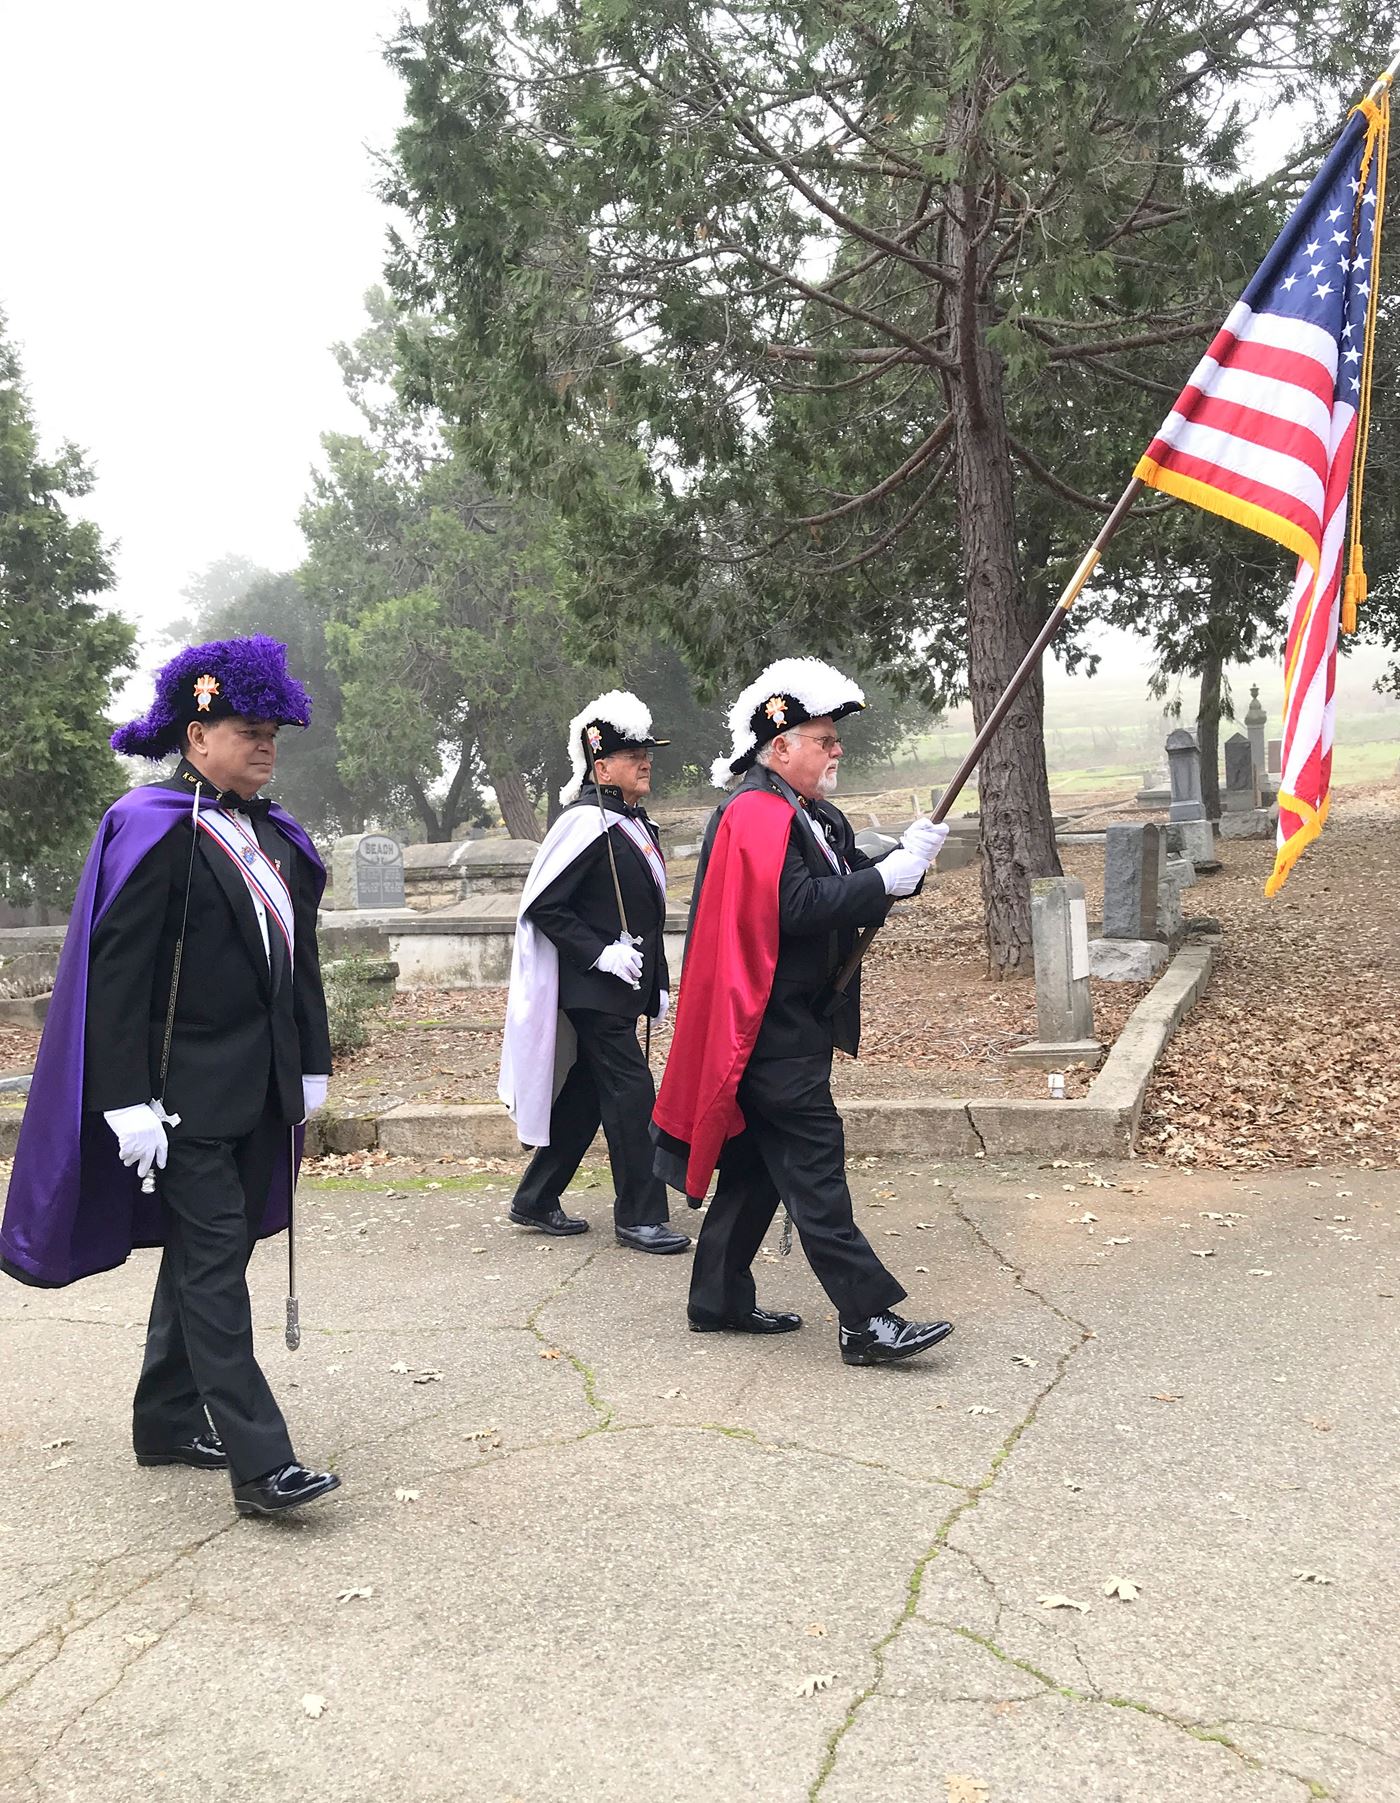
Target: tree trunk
{"x": 1208, "y": 730}
{"x": 1018, "y": 840}
{"x": 433, "y": 829}
{"x": 517, "y": 809}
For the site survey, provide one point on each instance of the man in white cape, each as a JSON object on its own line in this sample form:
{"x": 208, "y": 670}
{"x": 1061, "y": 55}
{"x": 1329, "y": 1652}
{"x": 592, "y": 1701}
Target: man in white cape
{"x": 589, "y": 963}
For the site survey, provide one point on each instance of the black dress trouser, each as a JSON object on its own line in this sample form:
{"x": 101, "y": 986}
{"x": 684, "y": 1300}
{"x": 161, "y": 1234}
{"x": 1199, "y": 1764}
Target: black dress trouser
{"x": 199, "y": 1344}
{"x": 609, "y": 1084}
{"x": 793, "y": 1150}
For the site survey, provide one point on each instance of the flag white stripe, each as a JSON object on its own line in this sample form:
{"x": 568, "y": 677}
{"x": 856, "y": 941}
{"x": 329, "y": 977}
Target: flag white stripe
{"x": 1244, "y": 457}
{"x": 1268, "y": 394}
{"x": 1281, "y": 333}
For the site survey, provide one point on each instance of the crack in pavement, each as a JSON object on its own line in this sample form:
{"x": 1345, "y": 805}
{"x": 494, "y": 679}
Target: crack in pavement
{"x": 52, "y": 1745}
{"x": 941, "y": 1543}
{"x": 976, "y": 1130}
{"x": 1355, "y": 1740}
{"x": 587, "y": 1375}
{"x": 63, "y": 1632}
{"x": 976, "y": 1492}
{"x": 1205, "y": 1732}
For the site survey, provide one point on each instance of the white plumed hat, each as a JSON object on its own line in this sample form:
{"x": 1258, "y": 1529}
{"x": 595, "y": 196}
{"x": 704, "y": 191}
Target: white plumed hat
{"x": 614, "y": 722}
{"x": 789, "y": 692}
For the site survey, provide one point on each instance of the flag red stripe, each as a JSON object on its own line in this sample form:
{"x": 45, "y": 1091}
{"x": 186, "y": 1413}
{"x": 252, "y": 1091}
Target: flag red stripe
{"x": 1258, "y": 494}
{"x": 1252, "y": 427}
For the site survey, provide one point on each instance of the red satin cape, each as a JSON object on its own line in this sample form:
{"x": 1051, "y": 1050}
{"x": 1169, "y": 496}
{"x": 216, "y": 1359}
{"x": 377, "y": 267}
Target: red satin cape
{"x": 728, "y": 976}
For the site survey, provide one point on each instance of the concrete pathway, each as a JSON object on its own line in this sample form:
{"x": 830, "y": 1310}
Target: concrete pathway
{"x": 583, "y": 1555}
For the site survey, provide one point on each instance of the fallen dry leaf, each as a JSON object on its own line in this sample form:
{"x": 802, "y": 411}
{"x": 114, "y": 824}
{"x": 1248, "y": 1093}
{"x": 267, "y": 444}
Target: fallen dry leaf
{"x": 313, "y": 1706}
{"x": 1166, "y": 1396}
{"x": 550, "y": 1352}
{"x": 350, "y": 1596}
{"x": 399, "y": 1368}
{"x": 407, "y": 1495}
{"x": 142, "y": 1639}
{"x": 816, "y": 1631}
{"x": 1123, "y": 1588}
{"x": 978, "y": 1408}
{"x": 1055, "y": 1601}
{"x": 962, "y": 1789}
{"x": 818, "y": 1681}
{"x": 1304, "y": 1576}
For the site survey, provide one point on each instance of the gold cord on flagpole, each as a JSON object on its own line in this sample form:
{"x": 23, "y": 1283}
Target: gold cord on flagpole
{"x": 1377, "y": 112}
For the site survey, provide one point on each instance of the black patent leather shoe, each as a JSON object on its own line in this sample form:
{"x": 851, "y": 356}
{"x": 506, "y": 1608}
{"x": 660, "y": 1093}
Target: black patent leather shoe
{"x": 886, "y": 1338}
{"x": 757, "y": 1320}
{"x": 203, "y": 1452}
{"x": 289, "y": 1487}
{"x": 552, "y": 1221}
{"x": 655, "y": 1236}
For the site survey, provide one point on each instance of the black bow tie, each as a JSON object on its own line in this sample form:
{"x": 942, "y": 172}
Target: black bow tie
{"x": 257, "y": 808}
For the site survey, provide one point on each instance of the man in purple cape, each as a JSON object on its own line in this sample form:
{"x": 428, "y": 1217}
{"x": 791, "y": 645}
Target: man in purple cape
{"x": 187, "y": 1035}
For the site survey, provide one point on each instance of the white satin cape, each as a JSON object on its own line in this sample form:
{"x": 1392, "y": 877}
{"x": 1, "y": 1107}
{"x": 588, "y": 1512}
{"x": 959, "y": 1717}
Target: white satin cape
{"x": 540, "y": 1045}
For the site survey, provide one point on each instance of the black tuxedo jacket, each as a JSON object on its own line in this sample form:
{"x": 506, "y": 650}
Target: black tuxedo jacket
{"x": 245, "y": 1031}
{"x": 578, "y": 911}
{"x": 820, "y": 913}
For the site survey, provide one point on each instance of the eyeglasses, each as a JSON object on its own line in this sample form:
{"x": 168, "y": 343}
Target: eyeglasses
{"x": 827, "y": 740}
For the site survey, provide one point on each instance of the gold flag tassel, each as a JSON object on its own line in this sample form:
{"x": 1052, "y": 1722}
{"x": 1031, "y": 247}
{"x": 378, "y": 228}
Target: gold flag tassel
{"x": 1377, "y": 114}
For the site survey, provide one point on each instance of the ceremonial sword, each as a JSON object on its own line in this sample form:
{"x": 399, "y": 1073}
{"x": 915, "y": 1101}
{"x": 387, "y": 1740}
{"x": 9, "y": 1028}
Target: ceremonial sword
{"x": 612, "y": 865}
{"x": 148, "y": 1182}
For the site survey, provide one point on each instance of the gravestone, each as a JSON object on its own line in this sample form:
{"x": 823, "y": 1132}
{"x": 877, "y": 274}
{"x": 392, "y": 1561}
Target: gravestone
{"x": 367, "y": 871}
{"x": 1274, "y": 759}
{"x": 1064, "y": 1012}
{"x": 1187, "y": 814}
{"x": 1238, "y": 793}
{"x": 1184, "y": 769}
{"x": 1133, "y": 859}
{"x": 1255, "y": 720}
{"x": 1156, "y": 789}
{"x": 1130, "y": 950}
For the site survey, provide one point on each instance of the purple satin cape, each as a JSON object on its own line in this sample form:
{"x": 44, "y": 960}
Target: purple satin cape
{"x": 73, "y": 1208}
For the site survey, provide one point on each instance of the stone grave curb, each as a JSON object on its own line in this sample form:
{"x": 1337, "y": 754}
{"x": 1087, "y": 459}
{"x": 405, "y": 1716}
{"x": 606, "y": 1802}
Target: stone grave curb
{"x": 1102, "y": 1124}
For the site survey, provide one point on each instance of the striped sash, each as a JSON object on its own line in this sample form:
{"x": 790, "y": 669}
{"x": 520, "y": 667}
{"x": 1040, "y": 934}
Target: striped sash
{"x": 258, "y": 871}
{"x": 645, "y": 844}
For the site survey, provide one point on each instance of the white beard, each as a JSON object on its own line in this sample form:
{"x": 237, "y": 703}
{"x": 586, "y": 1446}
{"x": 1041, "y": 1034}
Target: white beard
{"x": 827, "y": 786}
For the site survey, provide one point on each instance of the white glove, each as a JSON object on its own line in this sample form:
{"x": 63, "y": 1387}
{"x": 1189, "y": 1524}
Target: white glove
{"x": 141, "y": 1138}
{"x": 663, "y": 1007}
{"x": 313, "y": 1095}
{"x": 622, "y": 960}
{"x": 901, "y": 871}
{"x": 924, "y": 838}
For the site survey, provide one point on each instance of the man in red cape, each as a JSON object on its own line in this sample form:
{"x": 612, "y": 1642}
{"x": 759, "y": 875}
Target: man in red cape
{"x": 780, "y": 894}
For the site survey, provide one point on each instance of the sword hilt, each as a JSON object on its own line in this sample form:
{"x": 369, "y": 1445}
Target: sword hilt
{"x": 293, "y": 1335}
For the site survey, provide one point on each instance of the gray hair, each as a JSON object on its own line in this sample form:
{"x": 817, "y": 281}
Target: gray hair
{"x": 764, "y": 754}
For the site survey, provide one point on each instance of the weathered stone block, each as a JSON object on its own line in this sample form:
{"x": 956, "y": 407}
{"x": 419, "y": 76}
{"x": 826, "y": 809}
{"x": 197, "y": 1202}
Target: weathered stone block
{"x": 1060, "y": 942}
{"x": 1254, "y": 823}
{"x": 1133, "y": 857}
{"x": 1126, "y": 960}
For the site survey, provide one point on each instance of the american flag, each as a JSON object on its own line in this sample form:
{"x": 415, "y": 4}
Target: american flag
{"x": 1265, "y": 432}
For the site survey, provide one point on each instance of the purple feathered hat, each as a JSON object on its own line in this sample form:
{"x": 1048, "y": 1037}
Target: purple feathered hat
{"x": 211, "y": 682}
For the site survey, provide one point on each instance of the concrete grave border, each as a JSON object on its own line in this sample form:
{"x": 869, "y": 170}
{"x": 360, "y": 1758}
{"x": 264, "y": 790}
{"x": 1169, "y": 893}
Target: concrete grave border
{"x": 1102, "y": 1124}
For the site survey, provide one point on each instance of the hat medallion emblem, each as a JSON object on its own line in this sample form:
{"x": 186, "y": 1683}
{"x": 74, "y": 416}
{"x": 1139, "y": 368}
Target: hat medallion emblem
{"x": 776, "y": 708}
{"x": 595, "y": 740}
{"x": 205, "y": 689}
